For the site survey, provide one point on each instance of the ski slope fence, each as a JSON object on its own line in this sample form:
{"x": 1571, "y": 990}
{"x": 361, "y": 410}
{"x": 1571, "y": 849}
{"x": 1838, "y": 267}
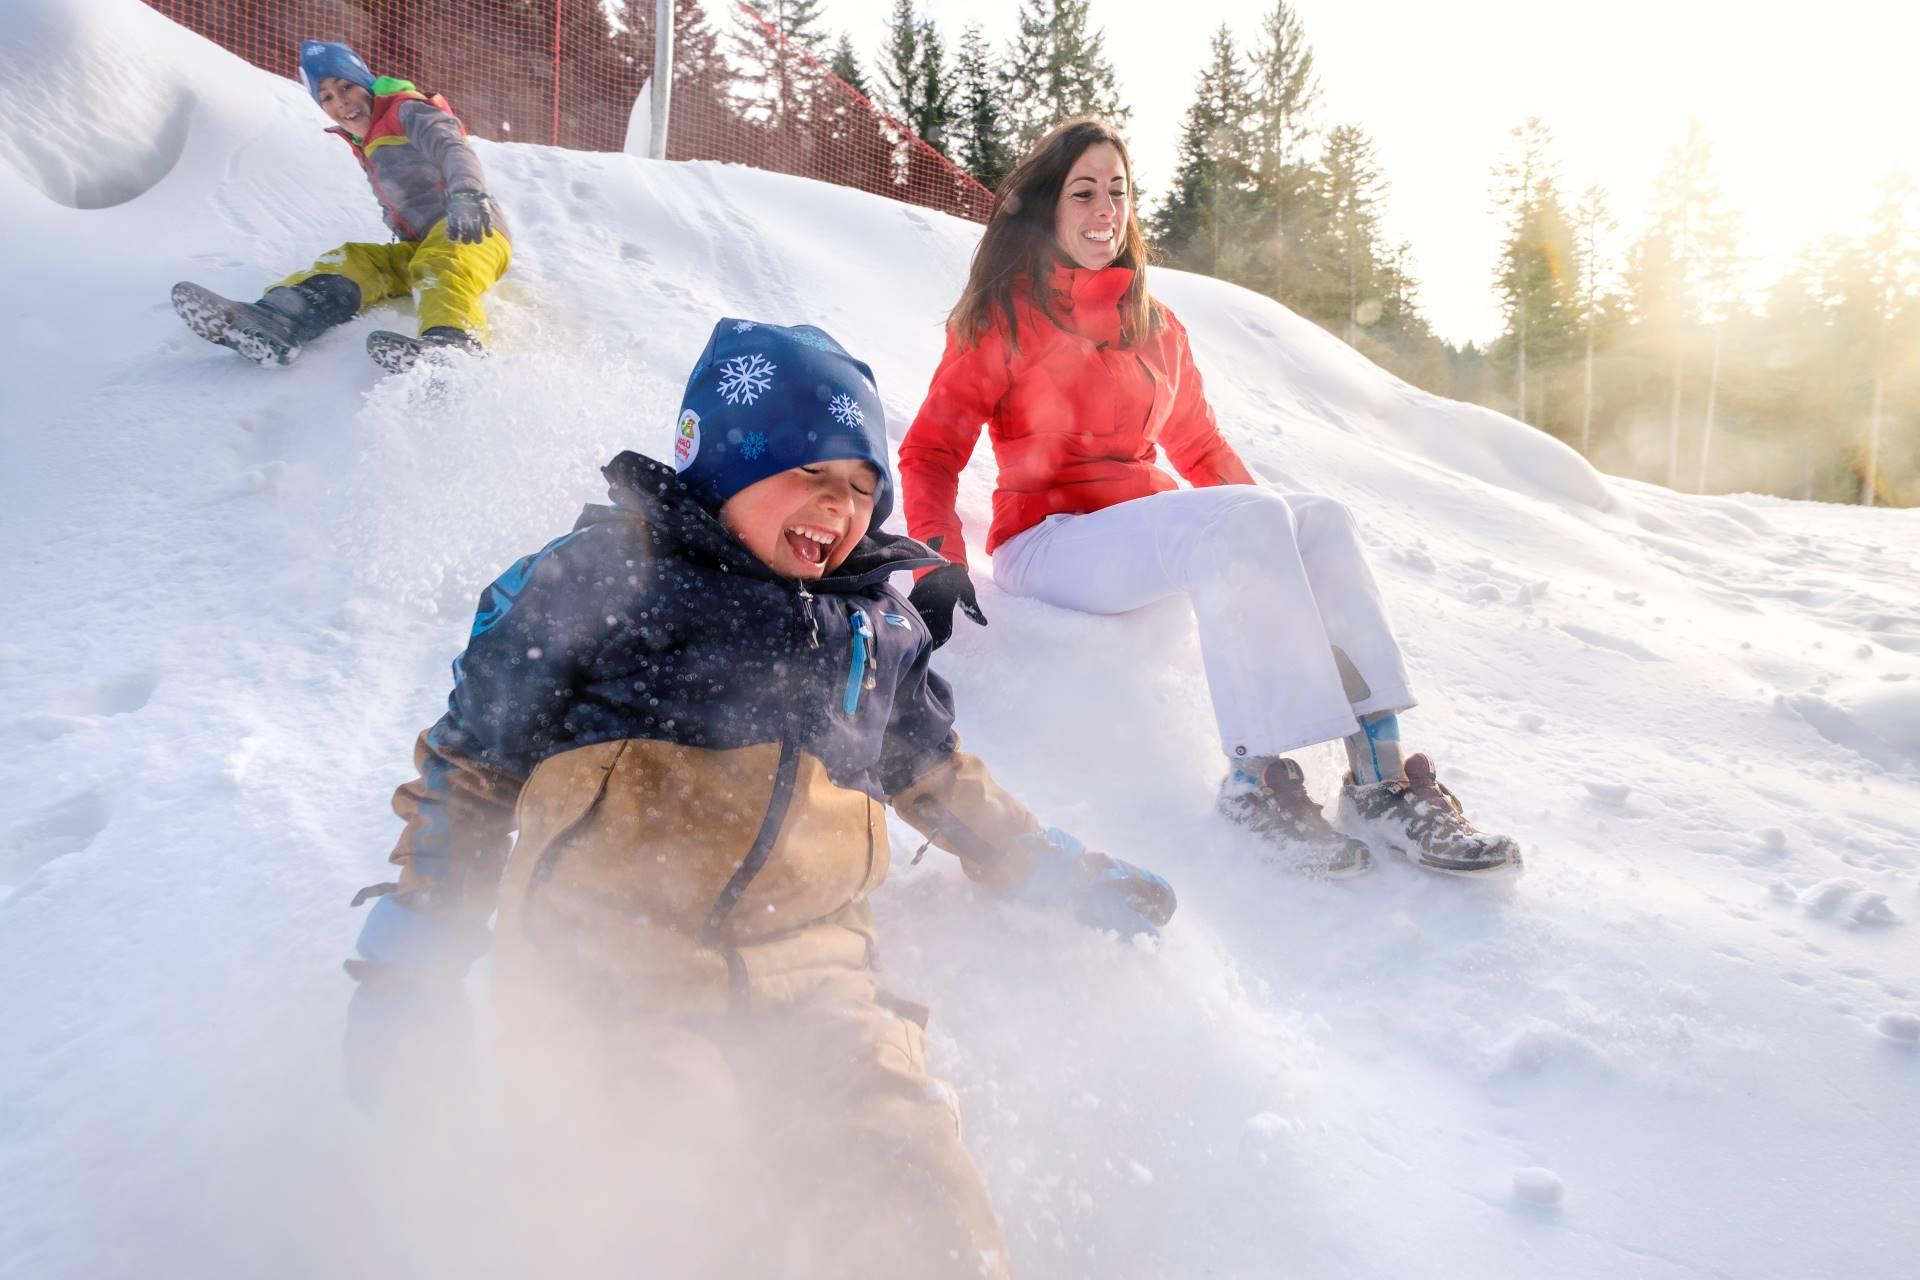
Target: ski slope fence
{"x": 569, "y": 73}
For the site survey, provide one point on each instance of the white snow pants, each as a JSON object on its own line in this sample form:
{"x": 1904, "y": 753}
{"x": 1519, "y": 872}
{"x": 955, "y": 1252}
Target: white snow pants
{"x": 1293, "y": 633}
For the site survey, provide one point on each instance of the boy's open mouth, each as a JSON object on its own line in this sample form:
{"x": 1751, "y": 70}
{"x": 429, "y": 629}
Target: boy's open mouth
{"x": 809, "y": 543}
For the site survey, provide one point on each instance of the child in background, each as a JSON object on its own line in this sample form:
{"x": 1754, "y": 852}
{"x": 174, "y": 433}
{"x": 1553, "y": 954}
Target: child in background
{"x": 693, "y": 708}
{"x": 450, "y": 237}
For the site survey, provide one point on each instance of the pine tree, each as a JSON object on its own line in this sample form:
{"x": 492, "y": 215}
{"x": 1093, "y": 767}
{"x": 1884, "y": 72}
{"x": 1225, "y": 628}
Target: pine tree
{"x": 1057, "y": 69}
{"x": 1284, "y": 92}
{"x": 1538, "y": 269}
{"x": 1206, "y": 222}
{"x": 1889, "y": 264}
{"x": 1690, "y": 245}
{"x": 1352, "y": 187}
{"x": 1592, "y": 223}
{"x": 1804, "y": 356}
{"x": 916, "y": 83}
{"x": 936, "y": 91}
{"x": 702, "y": 88}
{"x": 778, "y": 78}
{"x": 797, "y": 20}
{"x": 982, "y": 141}
{"x": 844, "y": 64}
{"x": 899, "y": 62}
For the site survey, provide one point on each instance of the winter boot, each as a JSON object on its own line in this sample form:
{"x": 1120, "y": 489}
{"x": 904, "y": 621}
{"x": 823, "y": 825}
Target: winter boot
{"x": 272, "y": 330}
{"x": 1270, "y": 799}
{"x": 397, "y": 353}
{"x": 261, "y": 335}
{"x": 1417, "y": 817}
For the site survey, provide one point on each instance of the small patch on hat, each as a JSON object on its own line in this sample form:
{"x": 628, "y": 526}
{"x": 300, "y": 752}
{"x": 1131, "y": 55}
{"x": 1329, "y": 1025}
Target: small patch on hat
{"x": 686, "y": 440}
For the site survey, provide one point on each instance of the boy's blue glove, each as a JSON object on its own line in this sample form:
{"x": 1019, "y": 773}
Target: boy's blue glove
{"x": 468, "y": 219}
{"x": 1104, "y": 892}
{"x": 409, "y": 1037}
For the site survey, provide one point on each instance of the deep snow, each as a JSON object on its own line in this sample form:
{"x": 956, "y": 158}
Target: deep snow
{"x": 1686, "y": 1042}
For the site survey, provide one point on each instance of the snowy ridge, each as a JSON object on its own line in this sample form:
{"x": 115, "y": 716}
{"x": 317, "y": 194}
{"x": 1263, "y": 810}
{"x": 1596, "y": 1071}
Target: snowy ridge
{"x": 1687, "y": 1042}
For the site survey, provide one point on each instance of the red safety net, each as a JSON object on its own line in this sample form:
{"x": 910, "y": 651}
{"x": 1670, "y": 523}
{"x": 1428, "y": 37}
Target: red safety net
{"x": 569, "y": 73}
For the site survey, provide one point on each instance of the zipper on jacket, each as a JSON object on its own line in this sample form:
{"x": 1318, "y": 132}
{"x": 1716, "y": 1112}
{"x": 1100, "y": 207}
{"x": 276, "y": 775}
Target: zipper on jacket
{"x": 859, "y": 674}
{"x": 784, "y": 775}
{"x": 806, "y": 611}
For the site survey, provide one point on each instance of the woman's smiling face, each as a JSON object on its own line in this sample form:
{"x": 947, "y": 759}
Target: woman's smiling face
{"x": 1090, "y": 220}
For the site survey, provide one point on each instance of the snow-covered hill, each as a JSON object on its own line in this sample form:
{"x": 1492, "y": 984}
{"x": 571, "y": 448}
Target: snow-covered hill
{"x": 233, "y": 595}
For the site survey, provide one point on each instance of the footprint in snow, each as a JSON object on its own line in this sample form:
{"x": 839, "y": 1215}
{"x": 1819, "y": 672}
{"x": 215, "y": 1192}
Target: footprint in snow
{"x": 1613, "y": 644}
{"x": 1416, "y": 559}
{"x": 1537, "y": 1189}
{"x": 1901, "y": 1027}
{"x": 56, "y": 831}
{"x": 1609, "y": 793}
{"x": 125, "y": 694}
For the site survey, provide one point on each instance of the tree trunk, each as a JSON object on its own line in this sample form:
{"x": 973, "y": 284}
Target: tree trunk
{"x": 1353, "y": 301}
{"x": 1706, "y": 432}
{"x": 1673, "y": 424}
{"x": 1520, "y": 365}
{"x": 1873, "y": 438}
{"x": 1873, "y": 419}
{"x": 1586, "y": 399}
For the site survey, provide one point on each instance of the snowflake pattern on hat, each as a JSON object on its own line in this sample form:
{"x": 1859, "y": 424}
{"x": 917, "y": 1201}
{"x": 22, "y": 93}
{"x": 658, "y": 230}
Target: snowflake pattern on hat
{"x": 845, "y": 411}
{"x": 744, "y": 326}
{"x": 744, "y": 379}
{"x": 754, "y": 445}
{"x": 818, "y": 341}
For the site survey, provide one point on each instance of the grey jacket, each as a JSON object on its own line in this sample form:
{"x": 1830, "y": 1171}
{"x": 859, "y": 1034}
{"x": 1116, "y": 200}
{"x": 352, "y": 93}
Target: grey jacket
{"x": 413, "y": 154}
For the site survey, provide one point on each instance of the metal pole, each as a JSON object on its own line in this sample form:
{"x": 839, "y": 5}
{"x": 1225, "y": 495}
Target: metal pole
{"x": 662, "y": 77}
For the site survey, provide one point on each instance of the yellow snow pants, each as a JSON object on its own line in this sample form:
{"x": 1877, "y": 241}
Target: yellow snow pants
{"x": 448, "y": 278}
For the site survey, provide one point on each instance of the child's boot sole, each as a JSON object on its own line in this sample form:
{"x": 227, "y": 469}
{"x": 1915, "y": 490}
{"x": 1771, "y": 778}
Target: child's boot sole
{"x": 222, "y": 321}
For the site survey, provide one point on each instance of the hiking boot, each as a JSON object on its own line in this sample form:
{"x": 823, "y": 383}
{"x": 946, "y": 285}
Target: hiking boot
{"x": 1420, "y": 819}
{"x": 1271, "y": 800}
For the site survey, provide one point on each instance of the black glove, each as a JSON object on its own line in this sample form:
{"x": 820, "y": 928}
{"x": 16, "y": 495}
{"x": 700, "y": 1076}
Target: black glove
{"x": 935, "y": 595}
{"x": 469, "y": 221}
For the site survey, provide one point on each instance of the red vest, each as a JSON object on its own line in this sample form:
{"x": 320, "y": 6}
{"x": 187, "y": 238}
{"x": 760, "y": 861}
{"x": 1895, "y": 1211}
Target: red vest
{"x": 386, "y": 130}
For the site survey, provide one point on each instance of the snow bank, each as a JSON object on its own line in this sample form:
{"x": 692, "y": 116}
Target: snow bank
{"x": 1682, "y": 1043}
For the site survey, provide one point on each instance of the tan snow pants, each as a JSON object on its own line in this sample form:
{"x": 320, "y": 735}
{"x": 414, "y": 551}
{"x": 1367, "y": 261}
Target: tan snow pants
{"x": 803, "y": 1141}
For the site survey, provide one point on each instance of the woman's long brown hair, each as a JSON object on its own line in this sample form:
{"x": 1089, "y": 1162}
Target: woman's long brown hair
{"x": 1019, "y": 244}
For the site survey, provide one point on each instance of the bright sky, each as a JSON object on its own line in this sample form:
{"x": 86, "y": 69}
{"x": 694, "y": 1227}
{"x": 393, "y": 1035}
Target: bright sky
{"x": 1807, "y": 106}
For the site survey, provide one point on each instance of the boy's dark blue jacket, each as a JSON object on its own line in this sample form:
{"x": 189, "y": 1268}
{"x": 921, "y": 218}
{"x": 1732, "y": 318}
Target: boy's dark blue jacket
{"x": 697, "y": 750}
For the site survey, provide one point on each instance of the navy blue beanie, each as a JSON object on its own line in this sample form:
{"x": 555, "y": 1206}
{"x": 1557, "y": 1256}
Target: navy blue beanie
{"x": 764, "y": 399}
{"x": 320, "y": 59}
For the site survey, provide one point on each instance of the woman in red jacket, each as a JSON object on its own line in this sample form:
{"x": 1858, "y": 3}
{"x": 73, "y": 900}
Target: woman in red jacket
{"x": 1079, "y": 374}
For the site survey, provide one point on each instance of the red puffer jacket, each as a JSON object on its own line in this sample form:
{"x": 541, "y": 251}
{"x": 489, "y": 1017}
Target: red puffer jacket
{"x": 1074, "y": 416}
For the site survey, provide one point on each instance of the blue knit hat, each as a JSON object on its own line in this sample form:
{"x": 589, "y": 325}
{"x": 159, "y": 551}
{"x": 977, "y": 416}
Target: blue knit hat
{"x": 764, "y": 399}
{"x": 320, "y": 59}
